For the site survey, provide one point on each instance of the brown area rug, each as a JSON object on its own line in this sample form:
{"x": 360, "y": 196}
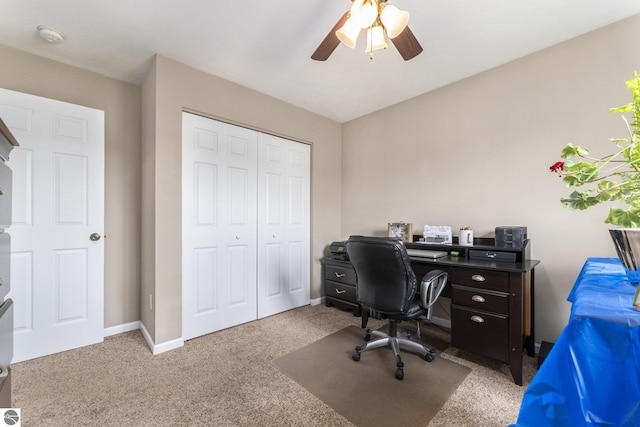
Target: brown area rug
{"x": 367, "y": 392}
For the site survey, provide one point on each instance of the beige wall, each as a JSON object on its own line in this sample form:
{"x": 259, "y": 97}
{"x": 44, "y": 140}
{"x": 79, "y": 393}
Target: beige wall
{"x": 121, "y": 103}
{"x": 478, "y": 153}
{"x": 473, "y": 153}
{"x": 178, "y": 88}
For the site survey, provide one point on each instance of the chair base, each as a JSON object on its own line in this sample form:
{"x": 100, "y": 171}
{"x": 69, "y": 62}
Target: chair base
{"x": 396, "y": 343}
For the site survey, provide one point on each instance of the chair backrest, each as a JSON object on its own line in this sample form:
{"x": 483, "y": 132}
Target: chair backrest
{"x": 385, "y": 281}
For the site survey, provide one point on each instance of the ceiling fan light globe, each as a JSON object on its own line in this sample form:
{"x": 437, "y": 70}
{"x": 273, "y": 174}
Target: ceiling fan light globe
{"x": 375, "y": 39}
{"x": 354, "y": 12}
{"x": 348, "y": 33}
{"x": 365, "y": 12}
{"x": 394, "y": 20}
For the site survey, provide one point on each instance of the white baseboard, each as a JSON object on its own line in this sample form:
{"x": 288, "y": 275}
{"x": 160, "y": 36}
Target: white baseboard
{"x": 160, "y": 348}
{"x": 179, "y": 342}
{"x": 167, "y": 346}
{"x": 120, "y": 329}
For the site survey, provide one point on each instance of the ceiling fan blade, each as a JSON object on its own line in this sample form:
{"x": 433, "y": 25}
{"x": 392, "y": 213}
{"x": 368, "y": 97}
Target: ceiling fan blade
{"x": 407, "y": 44}
{"x": 331, "y": 42}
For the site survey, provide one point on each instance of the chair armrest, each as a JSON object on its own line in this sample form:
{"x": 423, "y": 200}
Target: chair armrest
{"x": 431, "y": 287}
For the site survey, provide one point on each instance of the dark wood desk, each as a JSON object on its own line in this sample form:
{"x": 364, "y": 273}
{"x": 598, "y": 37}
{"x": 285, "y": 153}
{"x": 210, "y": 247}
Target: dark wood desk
{"x": 492, "y": 302}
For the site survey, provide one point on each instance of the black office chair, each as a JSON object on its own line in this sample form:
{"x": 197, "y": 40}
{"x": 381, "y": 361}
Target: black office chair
{"x": 386, "y": 288}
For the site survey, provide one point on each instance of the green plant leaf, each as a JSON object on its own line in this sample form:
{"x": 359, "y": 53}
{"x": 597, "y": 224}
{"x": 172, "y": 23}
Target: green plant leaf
{"x": 571, "y": 150}
{"x": 570, "y": 180}
{"x": 623, "y": 109}
{"x": 625, "y": 218}
{"x": 580, "y": 200}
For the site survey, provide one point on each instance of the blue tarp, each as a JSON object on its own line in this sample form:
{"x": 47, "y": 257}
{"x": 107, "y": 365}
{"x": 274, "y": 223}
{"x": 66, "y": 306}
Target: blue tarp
{"x": 591, "y": 377}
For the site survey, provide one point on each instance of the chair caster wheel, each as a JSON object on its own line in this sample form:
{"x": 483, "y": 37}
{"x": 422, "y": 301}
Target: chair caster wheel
{"x": 367, "y": 337}
{"x": 399, "y": 374}
{"x": 429, "y": 357}
{"x": 356, "y": 356}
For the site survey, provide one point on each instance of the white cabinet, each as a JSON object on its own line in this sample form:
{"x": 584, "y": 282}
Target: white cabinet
{"x": 245, "y": 225}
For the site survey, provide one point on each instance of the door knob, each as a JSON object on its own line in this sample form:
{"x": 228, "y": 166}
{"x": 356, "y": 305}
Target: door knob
{"x": 94, "y": 237}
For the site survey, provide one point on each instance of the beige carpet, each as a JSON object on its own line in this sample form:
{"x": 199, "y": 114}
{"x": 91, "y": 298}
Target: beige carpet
{"x": 228, "y": 379}
{"x": 367, "y": 392}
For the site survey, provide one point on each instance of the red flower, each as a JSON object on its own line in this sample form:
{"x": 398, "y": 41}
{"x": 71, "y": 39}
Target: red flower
{"x": 557, "y": 167}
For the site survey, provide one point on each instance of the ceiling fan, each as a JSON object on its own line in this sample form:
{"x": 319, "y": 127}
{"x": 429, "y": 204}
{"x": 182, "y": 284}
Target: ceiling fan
{"x": 381, "y": 21}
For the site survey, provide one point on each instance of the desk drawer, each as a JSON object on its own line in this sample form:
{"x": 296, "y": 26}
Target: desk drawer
{"x": 340, "y": 274}
{"x": 480, "y": 299}
{"x": 340, "y": 291}
{"x": 493, "y": 255}
{"x": 485, "y": 279}
{"x": 480, "y": 332}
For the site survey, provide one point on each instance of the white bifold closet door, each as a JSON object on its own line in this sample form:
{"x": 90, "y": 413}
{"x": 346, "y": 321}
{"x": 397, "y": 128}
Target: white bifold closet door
{"x": 283, "y": 224}
{"x": 246, "y": 236}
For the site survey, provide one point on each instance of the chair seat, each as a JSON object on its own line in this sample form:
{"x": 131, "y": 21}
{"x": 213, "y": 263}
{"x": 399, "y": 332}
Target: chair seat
{"x": 415, "y": 310}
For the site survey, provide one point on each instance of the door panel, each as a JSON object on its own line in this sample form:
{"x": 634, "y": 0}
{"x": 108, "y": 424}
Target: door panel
{"x": 70, "y": 189}
{"x": 58, "y": 202}
{"x": 219, "y": 225}
{"x": 284, "y": 224}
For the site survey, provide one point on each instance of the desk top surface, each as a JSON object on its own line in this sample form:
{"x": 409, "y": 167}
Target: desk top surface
{"x": 517, "y": 267}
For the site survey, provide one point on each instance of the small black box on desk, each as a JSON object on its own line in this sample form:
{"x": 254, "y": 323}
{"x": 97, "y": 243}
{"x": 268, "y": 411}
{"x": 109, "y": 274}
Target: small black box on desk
{"x": 510, "y": 237}
{"x": 338, "y": 251}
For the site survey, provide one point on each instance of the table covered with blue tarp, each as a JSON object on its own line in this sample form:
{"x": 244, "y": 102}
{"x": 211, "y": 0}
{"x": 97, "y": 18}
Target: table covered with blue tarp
{"x": 591, "y": 377}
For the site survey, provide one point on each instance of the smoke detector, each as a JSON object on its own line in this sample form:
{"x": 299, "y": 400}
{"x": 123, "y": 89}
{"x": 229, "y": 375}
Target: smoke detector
{"x": 49, "y": 34}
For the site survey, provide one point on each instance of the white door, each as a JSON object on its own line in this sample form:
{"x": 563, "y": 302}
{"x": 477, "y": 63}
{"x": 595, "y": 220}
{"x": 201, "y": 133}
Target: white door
{"x": 57, "y": 271}
{"x": 219, "y": 225}
{"x": 283, "y": 224}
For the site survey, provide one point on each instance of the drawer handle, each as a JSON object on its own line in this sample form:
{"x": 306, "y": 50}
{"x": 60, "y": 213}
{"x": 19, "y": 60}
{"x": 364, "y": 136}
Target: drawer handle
{"x": 477, "y": 319}
{"x": 340, "y": 291}
{"x": 490, "y": 254}
{"x": 340, "y": 275}
{"x": 477, "y": 278}
{"x": 477, "y": 298}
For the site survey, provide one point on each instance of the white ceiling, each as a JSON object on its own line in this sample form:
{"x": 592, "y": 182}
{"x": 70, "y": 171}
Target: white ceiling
{"x": 266, "y": 45}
